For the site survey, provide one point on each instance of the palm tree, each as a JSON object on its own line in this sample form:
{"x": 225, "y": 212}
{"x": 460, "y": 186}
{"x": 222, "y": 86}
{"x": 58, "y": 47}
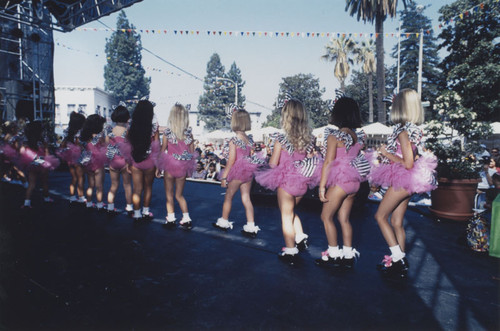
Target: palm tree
{"x": 365, "y": 54}
{"x": 338, "y": 50}
{"x": 376, "y": 10}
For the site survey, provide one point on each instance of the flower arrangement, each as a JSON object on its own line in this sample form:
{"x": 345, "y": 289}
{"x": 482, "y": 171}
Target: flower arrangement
{"x": 454, "y": 138}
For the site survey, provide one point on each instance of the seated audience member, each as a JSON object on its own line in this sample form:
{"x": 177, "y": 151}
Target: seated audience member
{"x": 212, "y": 173}
{"x": 200, "y": 172}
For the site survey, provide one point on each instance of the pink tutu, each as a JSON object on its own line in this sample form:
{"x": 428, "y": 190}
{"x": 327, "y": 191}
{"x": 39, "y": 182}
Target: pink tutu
{"x": 10, "y": 153}
{"x": 418, "y": 179}
{"x": 150, "y": 161}
{"x": 115, "y": 154}
{"x": 176, "y": 168}
{"x": 36, "y": 161}
{"x": 242, "y": 170}
{"x": 93, "y": 157}
{"x": 342, "y": 174}
{"x": 70, "y": 154}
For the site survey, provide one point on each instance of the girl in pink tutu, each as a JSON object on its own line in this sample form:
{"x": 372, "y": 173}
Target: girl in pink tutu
{"x": 34, "y": 158}
{"x": 92, "y": 160}
{"x": 117, "y": 146}
{"x": 9, "y": 150}
{"x": 341, "y": 177}
{"x": 404, "y": 173}
{"x": 292, "y": 170}
{"x": 239, "y": 172}
{"x": 70, "y": 151}
{"x": 144, "y": 140}
{"x": 177, "y": 161}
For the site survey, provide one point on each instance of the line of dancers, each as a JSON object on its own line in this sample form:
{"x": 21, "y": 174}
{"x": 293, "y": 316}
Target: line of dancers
{"x": 133, "y": 151}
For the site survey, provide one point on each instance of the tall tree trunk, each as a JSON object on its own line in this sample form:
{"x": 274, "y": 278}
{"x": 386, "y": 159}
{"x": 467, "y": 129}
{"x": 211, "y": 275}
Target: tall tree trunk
{"x": 370, "y": 98}
{"x": 379, "y": 29}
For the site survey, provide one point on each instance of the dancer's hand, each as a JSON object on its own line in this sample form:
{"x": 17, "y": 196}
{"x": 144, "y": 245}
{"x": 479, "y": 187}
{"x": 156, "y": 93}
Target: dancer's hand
{"x": 127, "y": 167}
{"x": 322, "y": 195}
{"x": 223, "y": 183}
{"x": 158, "y": 173}
{"x": 382, "y": 150}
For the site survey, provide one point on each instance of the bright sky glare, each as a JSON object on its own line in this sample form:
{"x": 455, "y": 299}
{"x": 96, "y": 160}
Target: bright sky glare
{"x": 263, "y": 61}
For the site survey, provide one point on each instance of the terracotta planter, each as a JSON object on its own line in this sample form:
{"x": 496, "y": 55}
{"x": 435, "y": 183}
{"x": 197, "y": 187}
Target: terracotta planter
{"x": 454, "y": 198}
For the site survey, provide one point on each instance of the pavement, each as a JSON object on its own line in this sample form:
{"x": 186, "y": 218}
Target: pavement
{"x": 68, "y": 268}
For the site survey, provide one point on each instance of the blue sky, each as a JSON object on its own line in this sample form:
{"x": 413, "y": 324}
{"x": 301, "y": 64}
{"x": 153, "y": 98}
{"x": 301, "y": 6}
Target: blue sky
{"x": 263, "y": 61}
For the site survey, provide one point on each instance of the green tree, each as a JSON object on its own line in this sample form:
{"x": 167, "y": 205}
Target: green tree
{"x": 234, "y": 74}
{"x": 472, "y": 66}
{"x": 303, "y": 87}
{"x": 365, "y": 54}
{"x": 124, "y": 76}
{"x": 376, "y": 11}
{"x": 338, "y": 50}
{"x": 413, "y": 21}
{"x": 215, "y": 99}
{"x": 356, "y": 89}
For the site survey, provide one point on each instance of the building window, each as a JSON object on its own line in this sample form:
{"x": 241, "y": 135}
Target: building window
{"x": 82, "y": 108}
{"x": 104, "y": 114}
{"x": 71, "y": 108}
{"x": 98, "y": 110}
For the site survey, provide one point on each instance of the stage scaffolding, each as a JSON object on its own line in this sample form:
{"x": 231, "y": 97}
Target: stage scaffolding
{"x": 27, "y": 49}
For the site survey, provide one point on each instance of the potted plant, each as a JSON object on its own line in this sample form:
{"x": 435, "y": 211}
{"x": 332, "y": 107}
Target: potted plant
{"x": 454, "y": 139}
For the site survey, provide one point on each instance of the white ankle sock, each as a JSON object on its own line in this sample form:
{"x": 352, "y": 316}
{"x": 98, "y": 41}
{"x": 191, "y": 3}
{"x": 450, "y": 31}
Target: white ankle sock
{"x": 171, "y": 217}
{"x": 137, "y": 213}
{"x": 100, "y": 205}
{"x": 334, "y": 251}
{"x": 186, "y": 217}
{"x": 73, "y": 198}
{"x": 300, "y": 236}
{"x": 89, "y": 204}
{"x": 130, "y": 207}
{"x": 81, "y": 199}
{"x": 396, "y": 253}
{"x": 27, "y": 203}
{"x": 145, "y": 210}
{"x": 291, "y": 251}
{"x": 347, "y": 252}
{"x": 111, "y": 206}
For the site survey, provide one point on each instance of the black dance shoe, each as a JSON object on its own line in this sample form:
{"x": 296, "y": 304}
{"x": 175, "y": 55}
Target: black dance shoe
{"x": 302, "y": 245}
{"x": 188, "y": 225}
{"x": 397, "y": 269}
{"x": 328, "y": 261}
{"x": 290, "y": 259}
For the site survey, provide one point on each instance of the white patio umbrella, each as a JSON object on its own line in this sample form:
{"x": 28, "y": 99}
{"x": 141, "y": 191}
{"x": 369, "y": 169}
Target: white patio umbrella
{"x": 377, "y": 129}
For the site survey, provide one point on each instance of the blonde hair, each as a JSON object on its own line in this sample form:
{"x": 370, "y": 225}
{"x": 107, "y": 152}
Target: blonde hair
{"x": 295, "y": 123}
{"x": 240, "y": 121}
{"x": 178, "y": 120}
{"x": 407, "y": 108}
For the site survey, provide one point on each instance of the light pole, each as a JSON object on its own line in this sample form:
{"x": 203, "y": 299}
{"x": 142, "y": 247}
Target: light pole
{"x": 235, "y": 85}
{"x": 420, "y": 8}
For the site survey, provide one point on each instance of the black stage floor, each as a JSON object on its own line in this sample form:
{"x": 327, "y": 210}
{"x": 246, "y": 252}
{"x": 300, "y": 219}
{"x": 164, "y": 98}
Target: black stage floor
{"x": 67, "y": 268}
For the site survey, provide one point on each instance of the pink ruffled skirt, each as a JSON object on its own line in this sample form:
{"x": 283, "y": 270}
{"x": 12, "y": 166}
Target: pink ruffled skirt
{"x": 70, "y": 154}
{"x": 344, "y": 175}
{"x": 418, "y": 179}
{"x": 176, "y": 168}
{"x": 287, "y": 177}
{"x": 151, "y": 160}
{"x": 242, "y": 170}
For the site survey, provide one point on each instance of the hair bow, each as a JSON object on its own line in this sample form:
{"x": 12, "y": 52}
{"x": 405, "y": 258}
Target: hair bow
{"x": 282, "y": 102}
{"x": 231, "y": 109}
{"x": 121, "y": 103}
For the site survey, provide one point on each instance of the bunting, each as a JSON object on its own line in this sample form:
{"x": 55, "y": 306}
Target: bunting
{"x": 291, "y": 34}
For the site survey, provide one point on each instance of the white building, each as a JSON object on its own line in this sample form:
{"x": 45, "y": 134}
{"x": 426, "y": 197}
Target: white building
{"x": 89, "y": 100}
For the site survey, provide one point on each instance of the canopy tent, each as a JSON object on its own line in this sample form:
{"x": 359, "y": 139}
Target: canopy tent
{"x": 495, "y": 126}
{"x": 377, "y": 129}
{"x": 260, "y": 134}
{"x": 318, "y": 132}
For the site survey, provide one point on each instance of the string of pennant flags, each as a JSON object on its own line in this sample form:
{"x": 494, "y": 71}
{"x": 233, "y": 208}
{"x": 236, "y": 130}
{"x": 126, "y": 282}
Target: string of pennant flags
{"x": 275, "y": 34}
